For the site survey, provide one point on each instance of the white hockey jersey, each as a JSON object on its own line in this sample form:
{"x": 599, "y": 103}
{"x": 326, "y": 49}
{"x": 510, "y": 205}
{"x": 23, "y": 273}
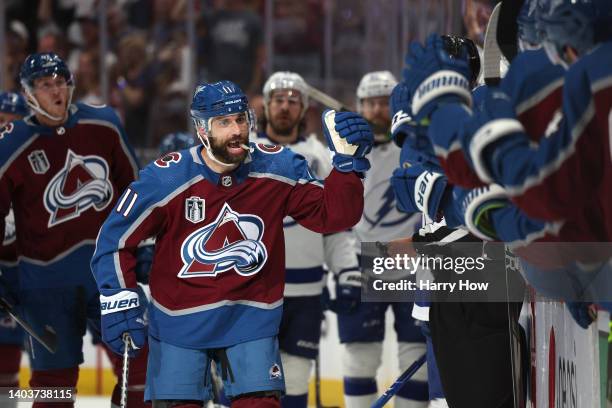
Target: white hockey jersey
{"x": 381, "y": 220}
{"x": 306, "y": 252}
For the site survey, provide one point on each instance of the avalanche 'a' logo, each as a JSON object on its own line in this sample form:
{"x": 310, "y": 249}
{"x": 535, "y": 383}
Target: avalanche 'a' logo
{"x": 83, "y": 183}
{"x": 232, "y": 241}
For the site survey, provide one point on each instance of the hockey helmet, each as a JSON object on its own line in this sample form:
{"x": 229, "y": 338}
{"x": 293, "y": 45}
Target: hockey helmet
{"x": 285, "y": 80}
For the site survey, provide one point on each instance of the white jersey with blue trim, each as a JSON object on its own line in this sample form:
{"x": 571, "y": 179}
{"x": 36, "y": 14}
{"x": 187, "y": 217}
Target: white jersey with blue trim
{"x": 308, "y": 254}
{"x": 381, "y": 220}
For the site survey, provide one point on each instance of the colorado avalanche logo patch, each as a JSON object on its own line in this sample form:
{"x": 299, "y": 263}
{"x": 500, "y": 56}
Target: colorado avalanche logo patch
{"x": 82, "y": 184}
{"x": 231, "y": 242}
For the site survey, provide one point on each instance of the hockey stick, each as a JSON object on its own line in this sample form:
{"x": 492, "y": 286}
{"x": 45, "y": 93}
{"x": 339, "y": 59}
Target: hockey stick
{"x": 399, "y": 383}
{"x": 492, "y": 54}
{"x": 127, "y": 342}
{"x": 325, "y": 99}
{"x": 48, "y": 339}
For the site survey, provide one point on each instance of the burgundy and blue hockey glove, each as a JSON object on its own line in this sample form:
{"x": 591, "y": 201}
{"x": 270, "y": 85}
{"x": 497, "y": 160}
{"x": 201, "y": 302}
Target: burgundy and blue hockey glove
{"x": 349, "y": 136}
{"x": 433, "y": 77}
{"x": 123, "y": 311}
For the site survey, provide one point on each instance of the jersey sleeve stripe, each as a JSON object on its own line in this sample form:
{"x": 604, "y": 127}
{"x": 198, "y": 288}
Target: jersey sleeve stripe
{"x": 602, "y": 83}
{"x": 211, "y": 306}
{"x": 273, "y": 176}
{"x": 538, "y": 97}
{"x": 16, "y": 154}
{"x": 561, "y": 156}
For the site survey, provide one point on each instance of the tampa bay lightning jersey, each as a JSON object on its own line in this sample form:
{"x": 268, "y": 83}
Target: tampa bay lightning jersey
{"x": 62, "y": 182}
{"x": 306, "y": 252}
{"x": 381, "y": 220}
{"x": 218, "y": 272}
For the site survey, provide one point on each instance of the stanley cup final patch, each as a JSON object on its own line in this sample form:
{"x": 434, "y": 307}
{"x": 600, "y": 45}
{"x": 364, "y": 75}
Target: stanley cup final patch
{"x": 194, "y": 209}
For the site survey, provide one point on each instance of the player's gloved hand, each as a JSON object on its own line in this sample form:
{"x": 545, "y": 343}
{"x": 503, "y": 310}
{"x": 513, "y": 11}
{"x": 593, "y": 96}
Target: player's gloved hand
{"x": 123, "y": 312}
{"x": 493, "y": 128}
{"x": 406, "y": 132}
{"x": 583, "y": 313}
{"x": 418, "y": 190}
{"x": 433, "y": 77}
{"x": 477, "y": 207}
{"x": 144, "y": 259}
{"x": 349, "y": 136}
{"x": 348, "y": 292}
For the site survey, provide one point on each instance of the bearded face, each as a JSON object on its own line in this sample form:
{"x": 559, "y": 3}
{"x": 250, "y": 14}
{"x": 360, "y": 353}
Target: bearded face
{"x": 284, "y": 111}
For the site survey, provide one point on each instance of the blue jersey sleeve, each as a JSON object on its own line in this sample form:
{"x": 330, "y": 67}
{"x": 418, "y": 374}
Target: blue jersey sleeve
{"x": 138, "y": 215}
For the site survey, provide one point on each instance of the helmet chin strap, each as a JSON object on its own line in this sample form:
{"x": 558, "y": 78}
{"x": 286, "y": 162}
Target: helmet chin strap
{"x": 33, "y": 103}
{"x": 211, "y": 156}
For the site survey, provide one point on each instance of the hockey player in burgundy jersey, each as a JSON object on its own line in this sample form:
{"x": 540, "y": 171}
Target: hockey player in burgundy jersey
{"x": 564, "y": 176}
{"x": 12, "y": 107}
{"x": 62, "y": 169}
{"x": 286, "y": 102}
{"x": 217, "y": 278}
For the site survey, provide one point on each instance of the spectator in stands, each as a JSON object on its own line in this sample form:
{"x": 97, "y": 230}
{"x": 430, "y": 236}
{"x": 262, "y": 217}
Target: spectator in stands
{"x": 233, "y": 45}
{"x": 136, "y": 84}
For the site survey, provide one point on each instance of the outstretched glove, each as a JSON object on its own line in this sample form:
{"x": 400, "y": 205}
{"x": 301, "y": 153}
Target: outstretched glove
{"x": 349, "y": 136}
{"x": 123, "y": 312}
{"x": 433, "y": 77}
{"x": 348, "y": 292}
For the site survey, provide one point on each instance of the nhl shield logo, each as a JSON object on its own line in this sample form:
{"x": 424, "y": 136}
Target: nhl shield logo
{"x": 38, "y": 161}
{"x": 194, "y": 209}
{"x": 226, "y": 181}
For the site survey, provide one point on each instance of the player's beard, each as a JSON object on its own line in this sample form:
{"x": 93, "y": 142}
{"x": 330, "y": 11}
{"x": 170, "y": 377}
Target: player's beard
{"x": 380, "y": 127}
{"x": 285, "y": 127}
{"x": 221, "y": 152}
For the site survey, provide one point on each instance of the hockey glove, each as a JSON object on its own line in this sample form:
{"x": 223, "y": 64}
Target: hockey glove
{"x": 349, "y": 136}
{"x": 406, "y": 132}
{"x": 491, "y": 130}
{"x": 348, "y": 292}
{"x": 478, "y": 206}
{"x": 433, "y": 77}
{"x": 418, "y": 190}
{"x": 123, "y": 312}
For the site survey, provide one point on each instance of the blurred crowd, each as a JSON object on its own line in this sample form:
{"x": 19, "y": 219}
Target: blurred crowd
{"x": 148, "y": 58}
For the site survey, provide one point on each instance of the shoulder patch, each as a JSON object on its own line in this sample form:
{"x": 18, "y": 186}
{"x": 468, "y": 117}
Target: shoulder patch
{"x": 166, "y": 160}
{"x": 6, "y": 130}
{"x": 269, "y": 148}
